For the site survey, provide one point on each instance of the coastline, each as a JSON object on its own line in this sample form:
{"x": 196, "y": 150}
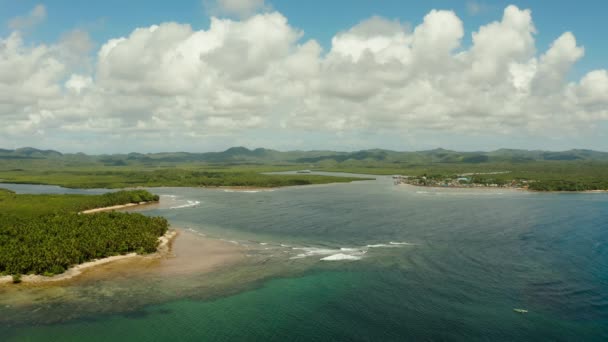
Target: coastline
{"x": 163, "y": 248}
{"x": 470, "y": 187}
{"x": 507, "y": 189}
{"x": 247, "y": 188}
{"x": 117, "y": 207}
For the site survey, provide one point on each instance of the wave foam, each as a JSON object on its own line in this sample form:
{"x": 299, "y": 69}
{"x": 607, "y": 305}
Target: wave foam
{"x": 351, "y": 253}
{"x": 447, "y": 191}
{"x": 311, "y": 251}
{"x": 341, "y": 256}
{"x": 390, "y": 245}
{"x": 189, "y": 204}
{"x": 248, "y": 191}
{"x": 194, "y": 231}
{"x": 343, "y": 253}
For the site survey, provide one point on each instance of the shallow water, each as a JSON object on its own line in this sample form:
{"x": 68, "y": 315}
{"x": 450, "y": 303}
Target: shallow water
{"x": 404, "y": 263}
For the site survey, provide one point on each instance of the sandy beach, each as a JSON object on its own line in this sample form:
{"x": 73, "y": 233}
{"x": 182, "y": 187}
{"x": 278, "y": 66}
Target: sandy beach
{"x": 187, "y": 254}
{"x": 117, "y": 207}
{"x": 244, "y": 188}
{"x": 206, "y": 253}
{"x": 163, "y": 248}
{"x": 190, "y": 253}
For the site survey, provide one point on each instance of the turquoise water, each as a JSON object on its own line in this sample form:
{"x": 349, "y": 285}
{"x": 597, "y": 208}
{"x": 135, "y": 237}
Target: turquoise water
{"x": 409, "y": 264}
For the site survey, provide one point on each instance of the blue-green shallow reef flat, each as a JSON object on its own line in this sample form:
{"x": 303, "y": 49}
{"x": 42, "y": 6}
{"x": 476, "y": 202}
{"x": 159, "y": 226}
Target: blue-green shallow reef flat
{"x": 405, "y": 263}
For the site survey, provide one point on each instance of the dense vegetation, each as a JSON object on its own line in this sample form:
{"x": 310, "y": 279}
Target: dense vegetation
{"x": 571, "y": 170}
{"x": 565, "y": 185}
{"x": 36, "y": 205}
{"x": 44, "y": 234}
{"x": 164, "y": 177}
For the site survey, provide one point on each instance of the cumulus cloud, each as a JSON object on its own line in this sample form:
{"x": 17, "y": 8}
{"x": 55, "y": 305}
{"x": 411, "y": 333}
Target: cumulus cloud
{"x": 78, "y": 83}
{"x": 258, "y": 74}
{"x": 36, "y": 16}
{"x": 28, "y": 76}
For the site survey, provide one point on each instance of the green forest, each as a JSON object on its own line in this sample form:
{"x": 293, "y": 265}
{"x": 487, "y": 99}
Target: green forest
{"x": 572, "y": 170}
{"x": 122, "y": 178}
{"x": 45, "y": 234}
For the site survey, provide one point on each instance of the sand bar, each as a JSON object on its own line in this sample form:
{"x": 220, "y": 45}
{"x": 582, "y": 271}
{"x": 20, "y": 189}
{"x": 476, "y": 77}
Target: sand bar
{"x": 116, "y": 207}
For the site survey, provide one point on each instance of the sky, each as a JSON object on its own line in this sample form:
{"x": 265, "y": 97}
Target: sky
{"x": 204, "y": 75}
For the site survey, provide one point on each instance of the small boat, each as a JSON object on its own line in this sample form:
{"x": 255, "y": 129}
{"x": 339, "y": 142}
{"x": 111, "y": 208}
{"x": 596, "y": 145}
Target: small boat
{"x": 521, "y": 311}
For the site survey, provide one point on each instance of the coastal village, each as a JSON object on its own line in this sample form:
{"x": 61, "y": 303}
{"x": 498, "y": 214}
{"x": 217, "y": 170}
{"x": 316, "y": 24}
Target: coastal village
{"x": 461, "y": 181}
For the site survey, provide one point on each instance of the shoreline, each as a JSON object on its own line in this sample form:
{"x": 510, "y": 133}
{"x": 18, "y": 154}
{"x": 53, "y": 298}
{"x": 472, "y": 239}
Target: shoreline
{"x": 224, "y": 187}
{"x": 507, "y": 189}
{"x": 164, "y": 247}
{"x": 244, "y": 188}
{"x": 117, "y": 207}
{"x": 471, "y": 187}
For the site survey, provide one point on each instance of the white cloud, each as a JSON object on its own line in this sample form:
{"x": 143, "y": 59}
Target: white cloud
{"x": 28, "y": 76}
{"x": 78, "y": 83}
{"x": 499, "y": 44}
{"x": 377, "y": 37}
{"x": 593, "y": 89}
{"x": 257, "y": 74}
{"x": 36, "y": 16}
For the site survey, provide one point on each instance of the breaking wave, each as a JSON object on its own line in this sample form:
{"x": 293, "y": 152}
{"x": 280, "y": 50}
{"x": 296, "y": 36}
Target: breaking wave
{"x": 341, "y": 256}
{"x": 344, "y": 253}
{"x": 188, "y": 204}
{"x": 247, "y": 191}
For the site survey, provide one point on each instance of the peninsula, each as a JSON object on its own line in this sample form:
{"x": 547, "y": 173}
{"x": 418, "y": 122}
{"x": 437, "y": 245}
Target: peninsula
{"x": 49, "y": 234}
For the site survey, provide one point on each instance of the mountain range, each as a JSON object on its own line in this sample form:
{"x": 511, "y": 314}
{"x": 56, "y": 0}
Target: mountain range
{"x": 243, "y": 155}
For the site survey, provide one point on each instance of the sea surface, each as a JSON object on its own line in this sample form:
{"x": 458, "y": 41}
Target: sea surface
{"x": 365, "y": 261}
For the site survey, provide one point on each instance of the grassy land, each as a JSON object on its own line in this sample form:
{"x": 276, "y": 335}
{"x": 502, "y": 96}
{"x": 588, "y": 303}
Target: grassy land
{"x": 572, "y": 170}
{"x": 546, "y": 175}
{"x": 125, "y": 178}
{"x": 44, "y": 234}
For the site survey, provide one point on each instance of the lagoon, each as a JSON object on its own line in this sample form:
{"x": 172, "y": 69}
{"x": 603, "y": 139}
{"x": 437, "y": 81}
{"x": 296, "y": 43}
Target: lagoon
{"x": 400, "y": 263}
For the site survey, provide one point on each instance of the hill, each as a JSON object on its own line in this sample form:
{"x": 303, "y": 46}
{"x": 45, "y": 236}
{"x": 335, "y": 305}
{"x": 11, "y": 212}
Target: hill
{"x": 243, "y": 155}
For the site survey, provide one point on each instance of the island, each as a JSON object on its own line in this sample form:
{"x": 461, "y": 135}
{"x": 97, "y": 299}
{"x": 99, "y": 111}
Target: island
{"x": 48, "y": 234}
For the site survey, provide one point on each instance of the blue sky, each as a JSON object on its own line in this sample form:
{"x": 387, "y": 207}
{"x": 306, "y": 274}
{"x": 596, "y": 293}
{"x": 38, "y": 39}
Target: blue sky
{"x": 578, "y": 68}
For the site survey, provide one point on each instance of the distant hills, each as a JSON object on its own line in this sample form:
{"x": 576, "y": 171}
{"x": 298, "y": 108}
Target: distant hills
{"x": 242, "y": 155}
{"x": 28, "y": 153}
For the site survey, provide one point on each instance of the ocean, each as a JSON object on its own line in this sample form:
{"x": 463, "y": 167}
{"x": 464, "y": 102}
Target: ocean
{"x": 364, "y": 261}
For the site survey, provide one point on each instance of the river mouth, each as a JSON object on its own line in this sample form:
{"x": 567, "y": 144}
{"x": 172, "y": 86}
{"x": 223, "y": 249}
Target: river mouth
{"x": 343, "y": 262}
